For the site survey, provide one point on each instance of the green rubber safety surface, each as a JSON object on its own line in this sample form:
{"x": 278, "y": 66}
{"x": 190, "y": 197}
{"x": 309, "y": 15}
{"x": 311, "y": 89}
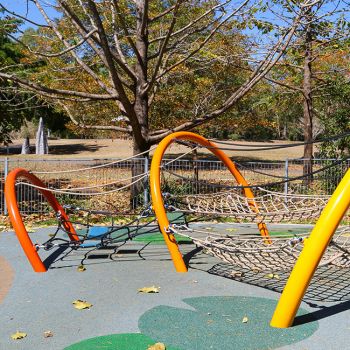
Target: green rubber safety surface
{"x": 218, "y": 323}
{"x": 157, "y": 238}
{"x": 214, "y": 323}
{"x": 127, "y": 341}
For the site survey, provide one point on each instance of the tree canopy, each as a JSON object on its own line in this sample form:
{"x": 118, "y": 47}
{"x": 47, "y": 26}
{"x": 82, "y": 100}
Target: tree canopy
{"x": 151, "y": 68}
{"x": 128, "y": 55}
{"x": 10, "y": 56}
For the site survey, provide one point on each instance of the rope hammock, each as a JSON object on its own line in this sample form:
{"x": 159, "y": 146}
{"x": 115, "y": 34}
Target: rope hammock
{"x": 242, "y": 202}
{"x": 255, "y": 253}
{"x": 273, "y": 206}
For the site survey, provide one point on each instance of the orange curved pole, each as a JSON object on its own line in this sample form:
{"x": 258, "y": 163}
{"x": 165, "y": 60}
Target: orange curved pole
{"x": 16, "y": 217}
{"x": 157, "y": 200}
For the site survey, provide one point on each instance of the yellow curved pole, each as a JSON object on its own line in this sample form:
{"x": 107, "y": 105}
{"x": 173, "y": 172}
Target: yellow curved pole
{"x": 157, "y": 200}
{"x": 311, "y": 255}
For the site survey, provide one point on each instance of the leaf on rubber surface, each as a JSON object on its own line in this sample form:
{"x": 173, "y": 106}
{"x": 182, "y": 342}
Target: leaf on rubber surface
{"x": 81, "y": 304}
{"x": 48, "y": 334}
{"x": 81, "y": 268}
{"x": 152, "y": 289}
{"x": 18, "y": 335}
{"x": 157, "y": 346}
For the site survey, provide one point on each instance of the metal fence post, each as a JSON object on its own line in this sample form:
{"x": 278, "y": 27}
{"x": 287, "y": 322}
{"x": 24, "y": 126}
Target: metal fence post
{"x": 145, "y": 191}
{"x": 6, "y": 171}
{"x": 286, "y": 177}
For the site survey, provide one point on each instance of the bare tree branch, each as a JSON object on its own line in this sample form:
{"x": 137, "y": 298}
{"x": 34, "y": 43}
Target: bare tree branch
{"x": 57, "y": 54}
{"x": 203, "y": 43}
{"x": 259, "y": 73}
{"x": 56, "y": 92}
{"x": 123, "y": 98}
{"x": 95, "y": 127}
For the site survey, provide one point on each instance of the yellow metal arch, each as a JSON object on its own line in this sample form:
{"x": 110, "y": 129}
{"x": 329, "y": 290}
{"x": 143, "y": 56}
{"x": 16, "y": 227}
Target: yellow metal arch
{"x": 311, "y": 255}
{"x": 157, "y": 200}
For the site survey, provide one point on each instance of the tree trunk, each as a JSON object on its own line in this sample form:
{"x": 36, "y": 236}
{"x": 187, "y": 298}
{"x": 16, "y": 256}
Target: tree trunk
{"x": 137, "y": 190}
{"x": 141, "y": 129}
{"x": 307, "y": 108}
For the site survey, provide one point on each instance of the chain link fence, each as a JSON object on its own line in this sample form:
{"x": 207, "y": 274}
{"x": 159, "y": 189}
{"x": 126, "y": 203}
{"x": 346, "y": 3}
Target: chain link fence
{"x": 284, "y": 176}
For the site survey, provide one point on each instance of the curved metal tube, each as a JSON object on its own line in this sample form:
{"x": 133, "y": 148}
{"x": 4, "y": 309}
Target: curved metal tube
{"x": 311, "y": 255}
{"x": 16, "y": 217}
{"x": 157, "y": 200}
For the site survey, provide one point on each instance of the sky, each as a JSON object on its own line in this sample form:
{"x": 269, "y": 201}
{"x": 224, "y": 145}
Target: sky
{"x": 27, "y": 9}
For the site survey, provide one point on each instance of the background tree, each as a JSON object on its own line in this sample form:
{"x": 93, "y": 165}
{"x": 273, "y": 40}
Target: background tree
{"x": 9, "y": 57}
{"x": 302, "y": 74}
{"x": 17, "y": 107}
{"x": 124, "y": 52}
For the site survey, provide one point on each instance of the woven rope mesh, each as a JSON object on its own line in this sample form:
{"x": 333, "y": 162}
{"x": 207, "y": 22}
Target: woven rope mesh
{"x": 273, "y": 206}
{"x": 273, "y": 254}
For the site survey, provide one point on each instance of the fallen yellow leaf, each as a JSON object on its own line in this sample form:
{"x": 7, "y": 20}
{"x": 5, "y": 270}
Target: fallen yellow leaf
{"x": 152, "y": 289}
{"x": 48, "y": 334}
{"x": 18, "y": 335}
{"x": 271, "y": 276}
{"x": 81, "y": 304}
{"x": 157, "y": 346}
{"x": 81, "y": 268}
{"x": 231, "y": 229}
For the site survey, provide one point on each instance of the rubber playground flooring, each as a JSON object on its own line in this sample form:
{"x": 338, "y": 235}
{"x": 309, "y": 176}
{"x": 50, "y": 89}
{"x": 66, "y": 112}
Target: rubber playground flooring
{"x": 206, "y": 308}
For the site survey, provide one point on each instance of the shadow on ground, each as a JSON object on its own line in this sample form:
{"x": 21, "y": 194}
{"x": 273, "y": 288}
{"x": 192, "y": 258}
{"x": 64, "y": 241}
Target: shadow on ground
{"x": 66, "y": 149}
{"x": 329, "y": 284}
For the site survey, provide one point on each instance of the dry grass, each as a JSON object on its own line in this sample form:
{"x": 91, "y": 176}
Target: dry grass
{"x": 108, "y": 148}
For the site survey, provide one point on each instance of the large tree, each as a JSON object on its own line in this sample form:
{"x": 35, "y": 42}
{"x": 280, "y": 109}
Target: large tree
{"x": 123, "y": 52}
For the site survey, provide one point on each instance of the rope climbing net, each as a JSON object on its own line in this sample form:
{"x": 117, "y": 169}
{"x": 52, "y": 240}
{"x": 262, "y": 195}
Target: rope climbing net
{"x": 88, "y": 217}
{"x": 277, "y": 253}
{"x": 273, "y": 206}
{"x": 211, "y": 192}
{"x": 238, "y": 201}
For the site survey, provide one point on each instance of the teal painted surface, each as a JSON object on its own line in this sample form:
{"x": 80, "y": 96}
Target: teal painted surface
{"x": 216, "y": 323}
{"x": 127, "y": 341}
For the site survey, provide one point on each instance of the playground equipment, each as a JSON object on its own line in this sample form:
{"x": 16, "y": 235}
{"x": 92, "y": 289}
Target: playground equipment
{"x": 273, "y": 206}
{"x": 266, "y": 251}
{"x": 76, "y": 227}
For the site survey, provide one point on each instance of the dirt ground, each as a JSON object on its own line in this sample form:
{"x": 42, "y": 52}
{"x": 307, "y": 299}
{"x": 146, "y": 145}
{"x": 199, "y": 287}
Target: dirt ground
{"x": 118, "y": 148}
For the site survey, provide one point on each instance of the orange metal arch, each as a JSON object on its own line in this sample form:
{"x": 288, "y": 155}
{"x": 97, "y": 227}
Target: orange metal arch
{"x": 16, "y": 218}
{"x": 157, "y": 200}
